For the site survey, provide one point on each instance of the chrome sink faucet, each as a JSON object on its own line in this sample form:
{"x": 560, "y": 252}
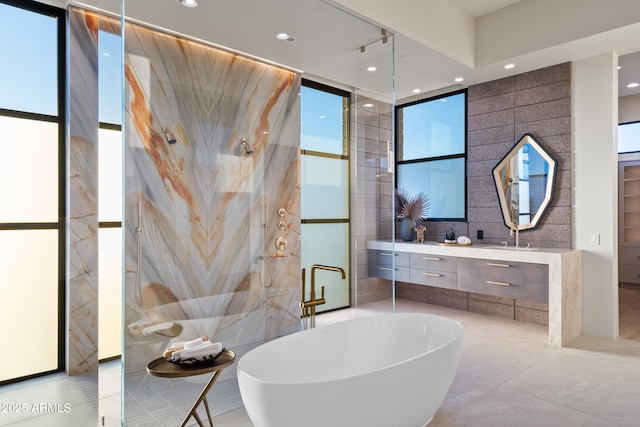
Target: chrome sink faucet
{"x": 515, "y": 229}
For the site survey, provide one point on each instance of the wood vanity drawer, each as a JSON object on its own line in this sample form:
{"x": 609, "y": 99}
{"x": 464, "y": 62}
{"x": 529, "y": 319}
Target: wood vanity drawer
{"x": 434, "y": 262}
{"x": 399, "y": 259}
{"x": 402, "y": 274}
{"x": 439, "y": 279}
{"x": 507, "y": 279}
{"x": 629, "y": 256}
{"x": 629, "y": 273}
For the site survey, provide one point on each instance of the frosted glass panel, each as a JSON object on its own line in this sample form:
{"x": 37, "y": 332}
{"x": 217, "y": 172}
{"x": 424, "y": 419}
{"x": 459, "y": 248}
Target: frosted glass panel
{"x": 29, "y": 72}
{"x": 327, "y": 244}
{"x": 29, "y": 303}
{"x": 325, "y": 188}
{"x": 110, "y": 283}
{"x": 110, "y": 175}
{"x": 29, "y": 163}
{"x": 322, "y": 121}
{"x": 442, "y": 180}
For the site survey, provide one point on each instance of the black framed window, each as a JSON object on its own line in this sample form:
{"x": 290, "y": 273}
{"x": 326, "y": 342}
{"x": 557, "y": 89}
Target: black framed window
{"x": 32, "y": 218}
{"x": 431, "y": 147}
{"x": 325, "y": 184}
{"x": 629, "y": 137}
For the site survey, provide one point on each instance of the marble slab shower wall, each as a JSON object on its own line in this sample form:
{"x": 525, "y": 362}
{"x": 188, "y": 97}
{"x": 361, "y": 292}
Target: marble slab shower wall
{"x": 202, "y": 208}
{"x": 82, "y": 198}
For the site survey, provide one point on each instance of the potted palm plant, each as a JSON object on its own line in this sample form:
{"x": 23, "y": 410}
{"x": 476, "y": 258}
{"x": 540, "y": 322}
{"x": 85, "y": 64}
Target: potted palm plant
{"x": 410, "y": 210}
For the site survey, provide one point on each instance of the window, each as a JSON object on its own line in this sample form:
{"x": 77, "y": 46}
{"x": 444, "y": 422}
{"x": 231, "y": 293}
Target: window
{"x": 629, "y": 137}
{"x": 431, "y": 153}
{"x": 325, "y": 188}
{"x": 110, "y": 194}
{"x": 32, "y": 170}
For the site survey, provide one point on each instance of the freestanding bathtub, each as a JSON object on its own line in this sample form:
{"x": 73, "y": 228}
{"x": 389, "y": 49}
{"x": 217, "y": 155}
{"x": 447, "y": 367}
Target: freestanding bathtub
{"x": 383, "y": 370}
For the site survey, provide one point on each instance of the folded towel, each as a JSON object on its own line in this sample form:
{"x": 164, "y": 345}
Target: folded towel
{"x": 200, "y": 352}
{"x": 196, "y": 342}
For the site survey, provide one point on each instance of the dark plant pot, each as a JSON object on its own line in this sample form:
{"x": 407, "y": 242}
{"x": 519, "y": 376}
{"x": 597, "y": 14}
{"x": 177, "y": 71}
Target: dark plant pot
{"x": 407, "y": 232}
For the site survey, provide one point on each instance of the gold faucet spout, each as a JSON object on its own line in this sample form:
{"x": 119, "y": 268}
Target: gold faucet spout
{"x": 309, "y": 306}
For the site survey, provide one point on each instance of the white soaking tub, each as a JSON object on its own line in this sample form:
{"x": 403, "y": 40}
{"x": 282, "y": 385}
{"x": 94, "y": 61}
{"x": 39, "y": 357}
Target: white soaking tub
{"x": 383, "y": 370}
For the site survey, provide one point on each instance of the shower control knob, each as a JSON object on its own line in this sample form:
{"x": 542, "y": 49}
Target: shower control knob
{"x": 282, "y": 225}
{"x": 282, "y": 212}
{"x": 281, "y": 243}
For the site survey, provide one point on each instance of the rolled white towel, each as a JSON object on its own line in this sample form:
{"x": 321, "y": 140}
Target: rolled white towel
{"x": 204, "y": 350}
{"x": 196, "y": 342}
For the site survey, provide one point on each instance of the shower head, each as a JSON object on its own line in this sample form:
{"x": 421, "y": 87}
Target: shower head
{"x": 247, "y": 147}
{"x": 171, "y": 138}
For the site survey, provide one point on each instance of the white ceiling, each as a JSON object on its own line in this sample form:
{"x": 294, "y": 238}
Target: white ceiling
{"x": 329, "y": 36}
{"x": 481, "y": 7}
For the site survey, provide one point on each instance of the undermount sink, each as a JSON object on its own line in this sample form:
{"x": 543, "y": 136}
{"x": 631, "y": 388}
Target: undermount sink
{"x": 513, "y": 248}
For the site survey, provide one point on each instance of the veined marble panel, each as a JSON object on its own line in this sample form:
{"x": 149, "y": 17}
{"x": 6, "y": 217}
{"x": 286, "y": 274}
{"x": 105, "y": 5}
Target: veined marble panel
{"x": 82, "y": 196}
{"x": 201, "y": 214}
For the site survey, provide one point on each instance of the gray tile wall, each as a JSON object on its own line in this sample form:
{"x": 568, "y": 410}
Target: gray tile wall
{"x": 499, "y": 113}
{"x": 371, "y": 189}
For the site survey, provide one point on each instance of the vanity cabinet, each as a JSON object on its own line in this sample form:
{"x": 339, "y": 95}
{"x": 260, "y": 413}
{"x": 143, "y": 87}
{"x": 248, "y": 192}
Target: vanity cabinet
{"x": 552, "y": 276}
{"x": 629, "y": 221}
{"x": 509, "y": 279}
{"x": 383, "y": 264}
{"x": 431, "y": 270}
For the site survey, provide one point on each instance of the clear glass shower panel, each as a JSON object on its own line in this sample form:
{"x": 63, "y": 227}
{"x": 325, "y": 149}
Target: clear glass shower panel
{"x": 373, "y": 176}
{"x": 212, "y": 208}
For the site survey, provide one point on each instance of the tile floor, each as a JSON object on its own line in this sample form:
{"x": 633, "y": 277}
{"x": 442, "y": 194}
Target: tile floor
{"x": 508, "y": 376}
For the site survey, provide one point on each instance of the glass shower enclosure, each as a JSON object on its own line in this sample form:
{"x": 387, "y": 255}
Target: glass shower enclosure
{"x": 217, "y": 225}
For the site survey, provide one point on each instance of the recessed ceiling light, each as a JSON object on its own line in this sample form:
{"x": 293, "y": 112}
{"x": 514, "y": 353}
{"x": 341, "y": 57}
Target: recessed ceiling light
{"x": 367, "y": 105}
{"x": 444, "y": 99}
{"x": 458, "y": 79}
{"x": 371, "y": 68}
{"x": 188, "y": 3}
{"x": 282, "y": 36}
{"x": 632, "y": 85}
{"x": 416, "y": 91}
{"x": 509, "y": 66}
{"x": 322, "y": 117}
{"x": 619, "y": 66}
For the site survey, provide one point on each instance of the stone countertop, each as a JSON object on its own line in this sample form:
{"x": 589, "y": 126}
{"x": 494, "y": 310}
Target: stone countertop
{"x": 533, "y": 255}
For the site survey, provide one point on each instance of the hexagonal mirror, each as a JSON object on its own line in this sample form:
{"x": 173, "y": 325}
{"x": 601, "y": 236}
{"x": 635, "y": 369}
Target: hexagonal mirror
{"x": 524, "y": 180}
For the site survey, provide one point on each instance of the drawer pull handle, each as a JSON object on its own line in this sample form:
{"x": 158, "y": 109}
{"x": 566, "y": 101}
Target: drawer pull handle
{"x": 431, "y": 258}
{"x": 388, "y": 254}
{"x": 493, "y": 264}
{"x": 491, "y": 282}
{"x": 431, "y": 274}
{"x": 388, "y": 269}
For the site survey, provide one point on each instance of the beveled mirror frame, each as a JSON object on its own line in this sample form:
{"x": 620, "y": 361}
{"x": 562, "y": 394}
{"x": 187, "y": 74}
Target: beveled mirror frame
{"x": 504, "y": 177}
